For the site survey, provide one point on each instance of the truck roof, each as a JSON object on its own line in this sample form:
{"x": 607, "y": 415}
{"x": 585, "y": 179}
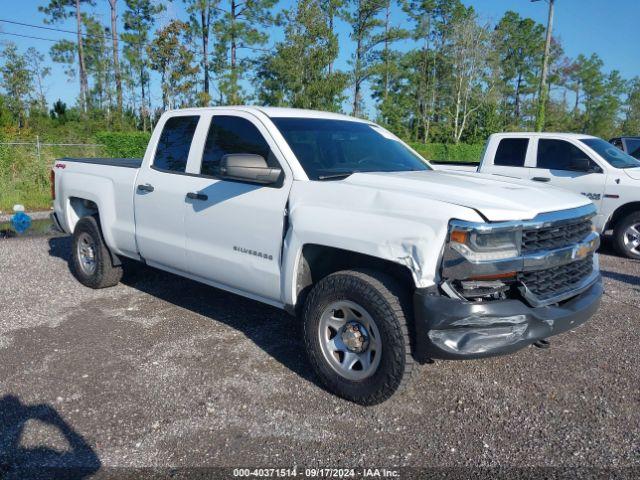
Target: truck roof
{"x": 544, "y": 135}
{"x": 277, "y": 112}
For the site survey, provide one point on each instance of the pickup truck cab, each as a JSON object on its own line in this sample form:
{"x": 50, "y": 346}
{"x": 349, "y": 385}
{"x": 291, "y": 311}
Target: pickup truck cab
{"x": 587, "y": 165}
{"x": 334, "y": 219}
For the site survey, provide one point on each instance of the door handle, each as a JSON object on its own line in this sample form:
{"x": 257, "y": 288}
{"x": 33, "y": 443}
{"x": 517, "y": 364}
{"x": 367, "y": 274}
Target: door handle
{"x": 197, "y": 196}
{"x": 145, "y": 188}
{"x": 541, "y": 179}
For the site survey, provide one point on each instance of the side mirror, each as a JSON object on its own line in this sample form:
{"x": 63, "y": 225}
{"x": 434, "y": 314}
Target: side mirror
{"x": 584, "y": 164}
{"x": 247, "y": 167}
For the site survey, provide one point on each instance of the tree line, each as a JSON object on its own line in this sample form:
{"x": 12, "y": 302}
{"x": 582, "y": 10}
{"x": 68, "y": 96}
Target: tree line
{"x": 436, "y": 73}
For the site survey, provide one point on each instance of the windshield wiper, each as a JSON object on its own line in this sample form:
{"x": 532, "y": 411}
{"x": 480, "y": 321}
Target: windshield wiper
{"x": 334, "y": 176}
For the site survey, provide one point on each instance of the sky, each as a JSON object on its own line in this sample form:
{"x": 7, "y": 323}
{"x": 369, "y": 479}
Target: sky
{"x": 608, "y": 28}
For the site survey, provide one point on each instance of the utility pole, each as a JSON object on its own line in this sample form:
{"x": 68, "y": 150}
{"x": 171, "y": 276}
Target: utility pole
{"x": 543, "y": 92}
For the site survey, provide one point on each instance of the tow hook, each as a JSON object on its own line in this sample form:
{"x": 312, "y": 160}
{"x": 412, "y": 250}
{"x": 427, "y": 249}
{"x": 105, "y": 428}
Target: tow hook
{"x": 542, "y": 343}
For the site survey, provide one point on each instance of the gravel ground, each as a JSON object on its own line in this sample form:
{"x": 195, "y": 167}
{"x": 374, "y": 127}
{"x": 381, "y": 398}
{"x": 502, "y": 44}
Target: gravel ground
{"x": 161, "y": 371}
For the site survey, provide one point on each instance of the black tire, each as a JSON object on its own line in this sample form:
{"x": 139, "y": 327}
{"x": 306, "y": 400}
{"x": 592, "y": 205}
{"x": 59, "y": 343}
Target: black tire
{"x": 387, "y": 304}
{"x": 619, "y": 235}
{"x": 104, "y": 274}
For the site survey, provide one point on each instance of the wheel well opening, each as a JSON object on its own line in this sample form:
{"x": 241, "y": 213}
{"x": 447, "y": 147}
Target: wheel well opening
{"x": 621, "y": 213}
{"x": 78, "y": 208}
{"x": 318, "y": 261}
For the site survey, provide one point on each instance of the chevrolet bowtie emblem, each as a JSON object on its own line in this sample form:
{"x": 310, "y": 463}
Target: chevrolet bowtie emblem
{"x": 582, "y": 251}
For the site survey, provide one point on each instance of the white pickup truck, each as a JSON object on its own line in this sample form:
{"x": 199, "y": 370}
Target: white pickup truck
{"x": 335, "y": 219}
{"x": 606, "y": 175}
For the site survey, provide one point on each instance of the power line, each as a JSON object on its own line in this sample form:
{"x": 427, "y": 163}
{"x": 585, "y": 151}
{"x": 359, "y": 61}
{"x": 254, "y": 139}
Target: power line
{"x": 29, "y": 36}
{"x": 54, "y": 29}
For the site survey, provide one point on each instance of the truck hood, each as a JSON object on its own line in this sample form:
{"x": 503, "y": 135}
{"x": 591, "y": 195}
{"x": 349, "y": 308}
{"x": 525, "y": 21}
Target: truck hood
{"x": 633, "y": 173}
{"x": 496, "y": 198}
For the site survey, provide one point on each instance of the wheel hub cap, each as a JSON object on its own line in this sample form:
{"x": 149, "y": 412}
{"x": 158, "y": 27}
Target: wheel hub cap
{"x": 632, "y": 238}
{"x": 87, "y": 254}
{"x": 350, "y": 340}
{"x": 355, "y": 337}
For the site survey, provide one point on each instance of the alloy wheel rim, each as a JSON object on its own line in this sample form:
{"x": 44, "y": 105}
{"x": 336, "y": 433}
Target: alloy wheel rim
{"x": 631, "y": 238}
{"x": 350, "y": 340}
{"x": 87, "y": 253}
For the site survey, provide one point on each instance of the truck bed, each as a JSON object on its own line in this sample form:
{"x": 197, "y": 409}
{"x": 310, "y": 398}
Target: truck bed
{"x": 111, "y": 162}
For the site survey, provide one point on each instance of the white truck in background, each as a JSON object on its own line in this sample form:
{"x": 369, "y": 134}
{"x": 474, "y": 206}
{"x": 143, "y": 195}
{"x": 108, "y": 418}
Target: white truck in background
{"x": 587, "y": 165}
{"x": 336, "y": 220}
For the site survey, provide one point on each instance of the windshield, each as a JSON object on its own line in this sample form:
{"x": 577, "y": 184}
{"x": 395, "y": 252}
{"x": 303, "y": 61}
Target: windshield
{"x": 633, "y": 147}
{"x": 613, "y": 155}
{"x": 336, "y": 148}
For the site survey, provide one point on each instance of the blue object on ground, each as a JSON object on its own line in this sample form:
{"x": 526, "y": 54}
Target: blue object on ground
{"x": 21, "y": 222}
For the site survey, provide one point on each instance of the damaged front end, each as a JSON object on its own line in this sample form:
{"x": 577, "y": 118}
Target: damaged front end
{"x": 506, "y": 285}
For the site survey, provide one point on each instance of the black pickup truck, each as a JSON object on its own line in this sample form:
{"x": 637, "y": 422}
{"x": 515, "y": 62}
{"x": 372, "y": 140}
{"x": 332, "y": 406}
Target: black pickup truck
{"x": 630, "y": 145}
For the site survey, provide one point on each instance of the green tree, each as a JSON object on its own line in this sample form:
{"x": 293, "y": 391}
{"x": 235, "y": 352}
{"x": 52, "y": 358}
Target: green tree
{"x": 113, "y": 7}
{"x": 99, "y": 65}
{"x": 600, "y": 97}
{"x": 287, "y": 81}
{"x": 39, "y": 72}
{"x": 467, "y": 51}
{"x": 240, "y": 26}
{"x": 518, "y": 43}
{"x": 201, "y": 15}
{"x": 139, "y": 19}
{"x": 631, "y": 125}
{"x": 17, "y": 82}
{"x": 171, "y": 58}
{"x": 59, "y": 11}
{"x": 364, "y": 19}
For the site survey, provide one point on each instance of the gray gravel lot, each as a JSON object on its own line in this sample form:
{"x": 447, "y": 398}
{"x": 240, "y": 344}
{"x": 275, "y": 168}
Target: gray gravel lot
{"x": 161, "y": 371}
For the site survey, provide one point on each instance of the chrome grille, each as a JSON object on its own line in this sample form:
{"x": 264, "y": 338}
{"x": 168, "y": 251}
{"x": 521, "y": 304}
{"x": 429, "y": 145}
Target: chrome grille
{"x": 555, "y": 236}
{"x": 545, "y": 284}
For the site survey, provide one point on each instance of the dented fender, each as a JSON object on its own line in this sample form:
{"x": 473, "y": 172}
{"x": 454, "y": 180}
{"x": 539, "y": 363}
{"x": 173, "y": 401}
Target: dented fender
{"x": 390, "y": 225}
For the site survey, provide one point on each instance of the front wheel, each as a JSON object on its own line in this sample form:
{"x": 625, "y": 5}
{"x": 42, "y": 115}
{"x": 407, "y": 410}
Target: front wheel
{"x": 626, "y": 236}
{"x": 356, "y": 334}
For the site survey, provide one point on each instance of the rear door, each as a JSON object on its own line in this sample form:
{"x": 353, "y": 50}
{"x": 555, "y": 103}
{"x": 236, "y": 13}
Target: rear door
{"x": 510, "y": 157}
{"x": 160, "y": 195}
{"x": 235, "y": 229}
{"x": 560, "y": 163}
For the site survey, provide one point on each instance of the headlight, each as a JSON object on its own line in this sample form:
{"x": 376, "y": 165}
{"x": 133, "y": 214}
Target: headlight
{"x": 478, "y": 243}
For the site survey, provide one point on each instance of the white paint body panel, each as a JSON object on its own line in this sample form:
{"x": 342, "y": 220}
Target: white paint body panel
{"x": 401, "y": 217}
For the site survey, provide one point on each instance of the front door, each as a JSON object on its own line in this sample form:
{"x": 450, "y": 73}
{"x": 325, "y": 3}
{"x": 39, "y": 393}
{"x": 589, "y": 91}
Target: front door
{"x": 235, "y": 229}
{"x": 565, "y": 165}
{"x": 159, "y": 198}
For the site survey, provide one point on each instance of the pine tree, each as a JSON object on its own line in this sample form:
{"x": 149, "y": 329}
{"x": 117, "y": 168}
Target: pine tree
{"x": 287, "y": 81}
{"x": 60, "y": 10}
{"x": 113, "y": 6}
{"x": 139, "y": 18}
{"x": 201, "y": 16}
{"x": 240, "y": 26}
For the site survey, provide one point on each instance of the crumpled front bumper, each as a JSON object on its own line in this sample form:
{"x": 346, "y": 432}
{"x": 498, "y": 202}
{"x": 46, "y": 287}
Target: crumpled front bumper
{"x": 453, "y": 329}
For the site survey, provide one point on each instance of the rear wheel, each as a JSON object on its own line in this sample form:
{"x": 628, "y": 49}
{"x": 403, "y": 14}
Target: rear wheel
{"x": 626, "y": 236}
{"x": 91, "y": 260}
{"x": 356, "y": 335}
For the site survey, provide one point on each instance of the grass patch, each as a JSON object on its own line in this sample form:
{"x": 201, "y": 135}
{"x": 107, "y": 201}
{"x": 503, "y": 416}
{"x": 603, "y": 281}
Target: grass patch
{"x": 24, "y": 175}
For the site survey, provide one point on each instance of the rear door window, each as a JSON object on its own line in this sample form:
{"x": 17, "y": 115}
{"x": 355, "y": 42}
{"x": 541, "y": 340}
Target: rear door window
{"x": 174, "y": 144}
{"x": 511, "y": 152}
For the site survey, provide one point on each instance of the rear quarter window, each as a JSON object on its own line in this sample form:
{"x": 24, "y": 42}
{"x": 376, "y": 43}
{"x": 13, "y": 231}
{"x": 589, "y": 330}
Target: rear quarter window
{"x": 511, "y": 152}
